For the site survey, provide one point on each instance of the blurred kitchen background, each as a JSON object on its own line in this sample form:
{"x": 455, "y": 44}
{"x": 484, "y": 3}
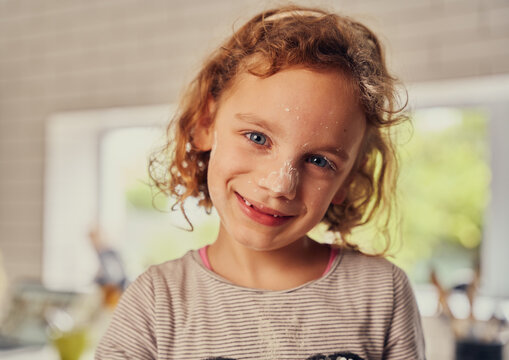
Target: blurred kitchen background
{"x": 87, "y": 86}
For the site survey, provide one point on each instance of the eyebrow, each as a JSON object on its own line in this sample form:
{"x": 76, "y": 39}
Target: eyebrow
{"x": 256, "y": 120}
{"x": 338, "y": 151}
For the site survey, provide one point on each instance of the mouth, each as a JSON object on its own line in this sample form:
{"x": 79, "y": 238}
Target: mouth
{"x": 261, "y": 213}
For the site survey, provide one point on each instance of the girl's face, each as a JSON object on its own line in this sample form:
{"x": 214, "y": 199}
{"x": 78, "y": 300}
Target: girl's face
{"x": 281, "y": 151}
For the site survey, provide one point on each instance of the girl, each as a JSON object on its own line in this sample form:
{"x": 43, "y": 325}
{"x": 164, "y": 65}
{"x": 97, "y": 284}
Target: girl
{"x": 284, "y": 127}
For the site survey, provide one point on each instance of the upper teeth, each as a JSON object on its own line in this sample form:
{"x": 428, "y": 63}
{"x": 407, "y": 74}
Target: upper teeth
{"x": 249, "y": 204}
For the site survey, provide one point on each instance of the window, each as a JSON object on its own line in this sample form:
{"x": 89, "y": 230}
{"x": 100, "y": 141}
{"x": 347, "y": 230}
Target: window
{"x": 444, "y": 192}
{"x": 145, "y": 229}
{"x": 73, "y": 201}
{"x": 489, "y": 95}
{"x": 96, "y": 173}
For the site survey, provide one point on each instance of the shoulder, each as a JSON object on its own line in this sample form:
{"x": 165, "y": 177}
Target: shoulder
{"x": 360, "y": 264}
{"x": 157, "y": 279}
{"x": 377, "y": 276}
{"x": 172, "y": 272}
{"x": 372, "y": 274}
{"x": 175, "y": 267}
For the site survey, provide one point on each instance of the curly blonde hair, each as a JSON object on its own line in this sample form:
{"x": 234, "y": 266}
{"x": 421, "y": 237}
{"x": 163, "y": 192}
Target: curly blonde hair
{"x": 270, "y": 42}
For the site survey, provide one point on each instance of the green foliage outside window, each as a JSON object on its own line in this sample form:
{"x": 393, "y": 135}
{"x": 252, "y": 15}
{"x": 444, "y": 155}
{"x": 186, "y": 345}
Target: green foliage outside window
{"x": 444, "y": 189}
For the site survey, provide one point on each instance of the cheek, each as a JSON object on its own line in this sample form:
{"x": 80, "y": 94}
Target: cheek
{"x": 319, "y": 198}
{"x": 227, "y": 160}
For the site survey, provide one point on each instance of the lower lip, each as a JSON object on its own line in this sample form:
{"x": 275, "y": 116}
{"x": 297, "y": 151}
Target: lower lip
{"x": 259, "y": 217}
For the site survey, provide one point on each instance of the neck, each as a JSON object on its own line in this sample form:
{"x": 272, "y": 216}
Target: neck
{"x": 302, "y": 261}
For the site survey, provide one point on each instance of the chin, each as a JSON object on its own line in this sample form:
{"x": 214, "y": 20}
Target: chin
{"x": 257, "y": 244}
{"x": 262, "y": 243}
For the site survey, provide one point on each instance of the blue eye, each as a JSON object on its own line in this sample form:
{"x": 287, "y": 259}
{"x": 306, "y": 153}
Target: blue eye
{"x": 257, "y": 138}
{"x": 318, "y": 161}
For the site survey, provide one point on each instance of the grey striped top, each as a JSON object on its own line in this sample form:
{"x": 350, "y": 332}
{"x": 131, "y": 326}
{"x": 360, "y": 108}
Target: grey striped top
{"x": 363, "y": 308}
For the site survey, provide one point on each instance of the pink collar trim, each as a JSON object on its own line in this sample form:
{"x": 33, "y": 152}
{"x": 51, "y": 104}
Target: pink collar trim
{"x": 204, "y": 257}
{"x": 333, "y": 254}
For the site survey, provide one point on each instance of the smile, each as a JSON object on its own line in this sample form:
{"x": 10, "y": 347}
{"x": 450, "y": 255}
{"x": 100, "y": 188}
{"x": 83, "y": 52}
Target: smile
{"x": 267, "y": 216}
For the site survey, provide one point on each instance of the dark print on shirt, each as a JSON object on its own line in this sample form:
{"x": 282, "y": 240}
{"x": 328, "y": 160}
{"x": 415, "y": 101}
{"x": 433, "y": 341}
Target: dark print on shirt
{"x": 335, "y": 356}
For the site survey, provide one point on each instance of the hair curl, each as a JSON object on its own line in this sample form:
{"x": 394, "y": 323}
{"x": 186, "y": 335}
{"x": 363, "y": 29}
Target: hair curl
{"x": 270, "y": 42}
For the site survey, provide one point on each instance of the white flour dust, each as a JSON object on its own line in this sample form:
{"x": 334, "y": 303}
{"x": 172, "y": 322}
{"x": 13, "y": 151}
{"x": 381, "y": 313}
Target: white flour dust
{"x": 214, "y": 145}
{"x": 268, "y": 337}
{"x": 278, "y": 333}
{"x": 284, "y": 180}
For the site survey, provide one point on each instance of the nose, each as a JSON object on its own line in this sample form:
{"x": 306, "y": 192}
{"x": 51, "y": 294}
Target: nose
{"x": 281, "y": 182}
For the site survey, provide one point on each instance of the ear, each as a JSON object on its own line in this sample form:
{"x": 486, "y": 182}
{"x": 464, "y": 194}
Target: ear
{"x": 340, "y": 196}
{"x": 203, "y": 134}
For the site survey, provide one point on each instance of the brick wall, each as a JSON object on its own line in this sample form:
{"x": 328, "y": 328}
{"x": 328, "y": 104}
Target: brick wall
{"x": 58, "y": 55}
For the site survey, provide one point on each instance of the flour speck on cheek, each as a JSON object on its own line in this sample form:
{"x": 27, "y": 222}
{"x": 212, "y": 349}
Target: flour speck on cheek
{"x": 214, "y": 145}
{"x": 213, "y": 158}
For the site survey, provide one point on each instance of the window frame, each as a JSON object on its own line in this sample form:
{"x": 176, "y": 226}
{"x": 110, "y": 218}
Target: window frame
{"x": 72, "y": 171}
{"x": 492, "y": 94}
{"x": 66, "y": 264}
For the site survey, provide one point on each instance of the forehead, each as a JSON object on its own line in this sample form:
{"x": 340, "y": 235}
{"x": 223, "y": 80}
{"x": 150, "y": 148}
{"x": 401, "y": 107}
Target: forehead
{"x": 301, "y": 83}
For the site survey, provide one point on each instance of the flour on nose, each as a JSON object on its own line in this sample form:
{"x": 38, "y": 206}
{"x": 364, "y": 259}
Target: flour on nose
{"x": 283, "y": 180}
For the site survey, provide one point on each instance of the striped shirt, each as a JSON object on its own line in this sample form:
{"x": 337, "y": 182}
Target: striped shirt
{"x": 362, "y": 308}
